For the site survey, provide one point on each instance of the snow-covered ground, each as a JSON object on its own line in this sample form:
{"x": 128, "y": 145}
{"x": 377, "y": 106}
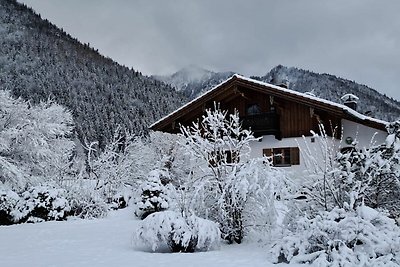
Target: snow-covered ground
{"x": 106, "y": 242}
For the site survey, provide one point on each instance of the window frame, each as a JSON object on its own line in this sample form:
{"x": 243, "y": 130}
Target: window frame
{"x": 283, "y": 156}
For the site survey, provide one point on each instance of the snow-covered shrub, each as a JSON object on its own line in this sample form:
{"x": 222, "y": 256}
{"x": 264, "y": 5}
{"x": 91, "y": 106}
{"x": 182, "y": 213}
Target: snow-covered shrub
{"x": 125, "y": 161}
{"x": 363, "y": 237}
{"x": 384, "y": 189}
{"x": 121, "y": 199}
{"x": 42, "y": 203}
{"x": 8, "y": 204}
{"x": 371, "y": 175}
{"x": 320, "y": 184}
{"x": 86, "y": 204}
{"x": 267, "y": 190}
{"x": 35, "y": 143}
{"x": 224, "y": 184}
{"x": 179, "y": 233}
{"x": 153, "y": 194}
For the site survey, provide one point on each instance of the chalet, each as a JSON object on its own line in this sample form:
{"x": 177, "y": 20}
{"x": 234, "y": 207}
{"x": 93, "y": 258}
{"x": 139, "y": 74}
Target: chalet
{"x": 285, "y": 119}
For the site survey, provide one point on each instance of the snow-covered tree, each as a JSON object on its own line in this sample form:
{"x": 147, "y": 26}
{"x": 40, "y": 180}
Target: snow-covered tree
{"x": 223, "y": 179}
{"x": 35, "y": 142}
{"x": 320, "y": 160}
{"x": 107, "y": 169}
{"x": 154, "y": 195}
{"x": 384, "y": 191}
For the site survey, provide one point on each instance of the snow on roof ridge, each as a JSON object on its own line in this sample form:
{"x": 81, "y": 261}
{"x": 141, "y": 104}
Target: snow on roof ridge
{"x": 238, "y": 76}
{"x": 329, "y": 102}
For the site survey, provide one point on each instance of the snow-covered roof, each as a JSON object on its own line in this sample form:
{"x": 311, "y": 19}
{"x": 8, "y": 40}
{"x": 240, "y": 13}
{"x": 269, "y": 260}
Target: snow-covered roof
{"x": 342, "y": 107}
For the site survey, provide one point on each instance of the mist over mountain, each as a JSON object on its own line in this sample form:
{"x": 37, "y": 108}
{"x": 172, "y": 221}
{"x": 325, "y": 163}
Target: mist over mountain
{"x": 40, "y": 61}
{"x": 325, "y": 86}
{"x": 193, "y": 80}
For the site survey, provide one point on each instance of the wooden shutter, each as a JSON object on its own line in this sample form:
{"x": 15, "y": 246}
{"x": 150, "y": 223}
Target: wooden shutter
{"x": 267, "y": 152}
{"x": 294, "y": 156}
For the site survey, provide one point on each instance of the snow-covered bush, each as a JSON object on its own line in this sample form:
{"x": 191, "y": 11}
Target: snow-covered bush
{"x": 224, "y": 184}
{"x": 121, "y": 199}
{"x": 178, "y": 233}
{"x": 267, "y": 189}
{"x": 125, "y": 162}
{"x": 371, "y": 175}
{"x": 320, "y": 183}
{"x": 106, "y": 169}
{"x": 8, "y": 204}
{"x": 153, "y": 194}
{"x": 341, "y": 227}
{"x": 35, "y": 143}
{"x": 361, "y": 237}
{"x": 384, "y": 166}
{"x": 86, "y": 204}
{"x": 42, "y": 203}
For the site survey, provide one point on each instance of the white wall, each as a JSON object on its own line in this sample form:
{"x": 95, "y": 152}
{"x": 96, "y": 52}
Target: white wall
{"x": 269, "y": 141}
{"x": 360, "y": 133}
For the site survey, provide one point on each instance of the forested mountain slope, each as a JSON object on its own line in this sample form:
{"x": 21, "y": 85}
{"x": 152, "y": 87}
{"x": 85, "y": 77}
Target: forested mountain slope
{"x": 40, "y": 61}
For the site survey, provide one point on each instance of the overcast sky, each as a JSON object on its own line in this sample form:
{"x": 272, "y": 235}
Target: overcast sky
{"x": 358, "y": 40}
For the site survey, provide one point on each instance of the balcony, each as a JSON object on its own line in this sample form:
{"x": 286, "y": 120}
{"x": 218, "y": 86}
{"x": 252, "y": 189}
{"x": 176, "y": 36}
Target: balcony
{"x": 263, "y": 124}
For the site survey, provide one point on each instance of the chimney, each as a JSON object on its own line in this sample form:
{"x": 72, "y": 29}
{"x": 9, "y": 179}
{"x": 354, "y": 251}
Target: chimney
{"x": 350, "y": 100}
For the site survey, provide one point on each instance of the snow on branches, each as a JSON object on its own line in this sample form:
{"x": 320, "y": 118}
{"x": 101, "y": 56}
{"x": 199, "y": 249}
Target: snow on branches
{"x": 345, "y": 225}
{"x": 180, "y": 233}
{"x": 362, "y": 237}
{"x": 224, "y": 179}
{"x": 371, "y": 176}
{"x": 153, "y": 194}
{"x": 35, "y": 142}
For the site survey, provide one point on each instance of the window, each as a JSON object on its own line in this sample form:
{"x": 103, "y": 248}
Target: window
{"x": 253, "y": 109}
{"x": 283, "y": 156}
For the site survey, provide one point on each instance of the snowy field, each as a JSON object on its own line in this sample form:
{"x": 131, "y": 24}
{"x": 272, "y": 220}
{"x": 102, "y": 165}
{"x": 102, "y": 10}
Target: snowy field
{"x": 106, "y": 242}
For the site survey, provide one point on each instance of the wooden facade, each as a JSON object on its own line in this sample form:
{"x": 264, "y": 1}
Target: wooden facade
{"x": 266, "y": 109}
